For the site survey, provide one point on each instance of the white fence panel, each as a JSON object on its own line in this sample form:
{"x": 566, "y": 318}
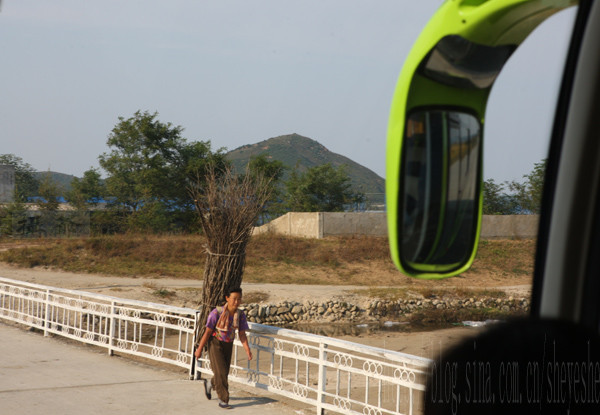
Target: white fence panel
{"x": 154, "y": 331}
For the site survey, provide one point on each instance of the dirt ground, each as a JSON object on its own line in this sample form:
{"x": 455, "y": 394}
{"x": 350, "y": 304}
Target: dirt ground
{"x": 184, "y": 293}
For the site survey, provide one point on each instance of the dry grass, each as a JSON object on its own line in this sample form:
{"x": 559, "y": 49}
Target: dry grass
{"x": 505, "y": 257}
{"x": 271, "y": 258}
{"x": 183, "y": 256}
{"x": 124, "y": 255}
{"x": 309, "y": 252}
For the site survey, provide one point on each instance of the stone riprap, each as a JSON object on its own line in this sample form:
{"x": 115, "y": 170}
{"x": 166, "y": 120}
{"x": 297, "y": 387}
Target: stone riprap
{"x": 343, "y": 312}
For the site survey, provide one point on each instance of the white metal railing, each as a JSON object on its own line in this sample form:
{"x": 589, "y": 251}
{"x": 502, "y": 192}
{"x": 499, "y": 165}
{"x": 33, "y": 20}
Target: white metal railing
{"x": 330, "y": 374}
{"x": 155, "y": 331}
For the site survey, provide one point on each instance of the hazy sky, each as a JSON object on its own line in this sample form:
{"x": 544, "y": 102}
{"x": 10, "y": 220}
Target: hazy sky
{"x": 237, "y": 72}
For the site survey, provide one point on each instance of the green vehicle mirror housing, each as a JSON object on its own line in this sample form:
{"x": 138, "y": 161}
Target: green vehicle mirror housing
{"x": 435, "y": 133}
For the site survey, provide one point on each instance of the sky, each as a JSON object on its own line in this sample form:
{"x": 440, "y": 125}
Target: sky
{"x": 237, "y": 72}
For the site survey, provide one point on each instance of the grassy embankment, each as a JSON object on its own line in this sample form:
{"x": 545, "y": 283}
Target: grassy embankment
{"x": 270, "y": 259}
{"x": 360, "y": 261}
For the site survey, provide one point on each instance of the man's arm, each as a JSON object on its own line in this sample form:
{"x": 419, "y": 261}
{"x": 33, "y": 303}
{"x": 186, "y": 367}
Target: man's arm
{"x": 203, "y": 341}
{"x": 244, "y": 341}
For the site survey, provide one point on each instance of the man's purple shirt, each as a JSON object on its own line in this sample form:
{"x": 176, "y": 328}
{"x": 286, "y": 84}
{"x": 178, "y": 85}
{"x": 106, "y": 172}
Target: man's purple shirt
{"x": 223, "y": 336}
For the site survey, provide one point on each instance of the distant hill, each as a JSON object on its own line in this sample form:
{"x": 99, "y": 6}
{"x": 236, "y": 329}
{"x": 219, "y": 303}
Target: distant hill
{"x": 294, "y": 149}
{"x": 291, "y": 150}
{"x": 62, "y": 179}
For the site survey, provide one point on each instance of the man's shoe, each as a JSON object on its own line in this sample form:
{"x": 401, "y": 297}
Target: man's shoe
{"x": 207, "y": 388}
{"x": 224, "y": 405}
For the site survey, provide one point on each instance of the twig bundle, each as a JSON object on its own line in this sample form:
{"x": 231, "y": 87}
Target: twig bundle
{"x": 228, "y": 206}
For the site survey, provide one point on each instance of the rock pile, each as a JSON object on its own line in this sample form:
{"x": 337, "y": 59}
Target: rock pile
{"x": 343, "y": 312}
{"x": 403, "y": 307}
{"x": 293, "y": 312}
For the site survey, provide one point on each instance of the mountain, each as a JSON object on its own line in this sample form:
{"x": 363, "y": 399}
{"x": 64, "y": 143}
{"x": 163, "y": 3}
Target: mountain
{"x": 294, "y": 149}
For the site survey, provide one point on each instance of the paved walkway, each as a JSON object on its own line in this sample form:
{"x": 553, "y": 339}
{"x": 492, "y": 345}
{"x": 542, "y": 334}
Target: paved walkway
{"x": 49, "y": 376}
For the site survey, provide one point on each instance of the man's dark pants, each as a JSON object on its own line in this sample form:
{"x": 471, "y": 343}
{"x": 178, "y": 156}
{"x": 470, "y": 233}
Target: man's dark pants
{"x": 219, "y": 354}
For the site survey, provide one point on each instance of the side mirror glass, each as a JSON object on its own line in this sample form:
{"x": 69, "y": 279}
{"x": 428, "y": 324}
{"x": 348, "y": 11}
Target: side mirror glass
{"x": 439, "y": 190}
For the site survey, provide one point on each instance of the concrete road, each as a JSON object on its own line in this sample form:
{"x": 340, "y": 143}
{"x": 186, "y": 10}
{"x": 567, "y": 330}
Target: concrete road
{"x": 49, "y": 376}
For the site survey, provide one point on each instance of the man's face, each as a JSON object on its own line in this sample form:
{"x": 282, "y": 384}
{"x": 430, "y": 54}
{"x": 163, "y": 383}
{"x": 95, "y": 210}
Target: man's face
{"x": 234, "y": 301}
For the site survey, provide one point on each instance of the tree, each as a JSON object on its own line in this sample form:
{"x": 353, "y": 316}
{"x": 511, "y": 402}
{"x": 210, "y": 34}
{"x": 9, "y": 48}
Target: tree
{"x": 495, "y": 201}
{"x": 142, "y": 153}
{"x": 87, "y": 191}
{"x": 49, "y": 192}
{"x": 13, "y": 216}
{"x": 227, "y": 207}
{"x": 273, "y": 170}
{"x": 321, "y": 188}
{"x": 26, "y": 185}
{"x": 150, "y": 166}
{"x": 528, "y": 195}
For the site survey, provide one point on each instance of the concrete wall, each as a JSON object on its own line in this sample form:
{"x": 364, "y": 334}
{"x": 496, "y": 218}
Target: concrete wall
{"x": 509, "y": 226}
{"x": 323, "y": 224}
{"x": 354, "y": 223}
{"x": 305, "y": 224}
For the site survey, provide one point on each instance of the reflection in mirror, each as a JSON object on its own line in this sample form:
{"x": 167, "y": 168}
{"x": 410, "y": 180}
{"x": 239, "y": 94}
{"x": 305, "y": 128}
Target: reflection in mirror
{"x": 458, "y": 62}
{"x": 439, "y": 189}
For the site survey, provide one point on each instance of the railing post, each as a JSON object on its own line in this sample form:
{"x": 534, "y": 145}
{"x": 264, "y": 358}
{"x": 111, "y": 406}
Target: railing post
{"x": 322, "y": 382}
{"x": 111, "y": 330}
{"x": 46, "y": 314}
{"x": 195, "y": 339}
